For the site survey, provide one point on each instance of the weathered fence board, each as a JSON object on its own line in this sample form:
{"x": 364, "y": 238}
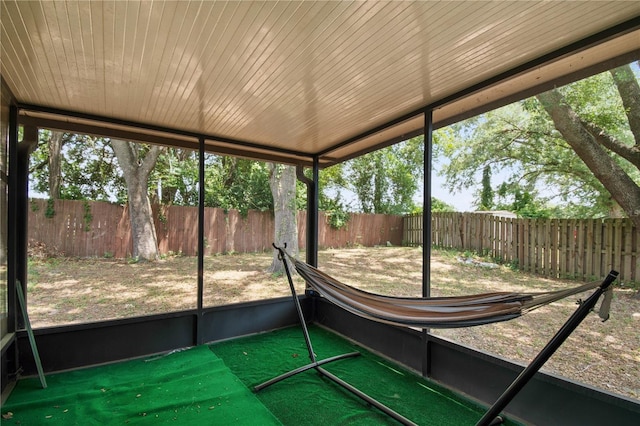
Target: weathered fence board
{"x": 583, "y": 249}
{"x": 98, "y": 229}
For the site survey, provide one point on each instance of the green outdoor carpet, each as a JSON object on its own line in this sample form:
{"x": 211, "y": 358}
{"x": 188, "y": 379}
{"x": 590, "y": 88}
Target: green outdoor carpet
{"x": 190, "y": 387}
{"x": 308, "y": 399}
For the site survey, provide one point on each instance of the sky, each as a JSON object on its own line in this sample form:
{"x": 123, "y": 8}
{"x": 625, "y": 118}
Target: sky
{"x": 461, "y": 200}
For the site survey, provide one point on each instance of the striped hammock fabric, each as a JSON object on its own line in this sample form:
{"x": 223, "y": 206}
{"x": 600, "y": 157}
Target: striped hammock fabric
{"x": 435, "y": 312}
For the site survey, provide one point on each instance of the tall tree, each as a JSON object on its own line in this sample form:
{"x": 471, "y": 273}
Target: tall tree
{"x": 597, "y": 147}
{"x": 282, "y": 180}
{"x": 486, "y": 194}
{"x": 525, "y": 146}
{"x": 137, "y": 162}
{"x": 237, "y": 183}
{"x": 385, "y": 181}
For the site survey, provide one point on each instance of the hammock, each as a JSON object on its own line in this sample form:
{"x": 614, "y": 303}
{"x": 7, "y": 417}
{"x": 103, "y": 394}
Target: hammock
{"x": 434, "y": 312}
{"x": 437, "y": 312}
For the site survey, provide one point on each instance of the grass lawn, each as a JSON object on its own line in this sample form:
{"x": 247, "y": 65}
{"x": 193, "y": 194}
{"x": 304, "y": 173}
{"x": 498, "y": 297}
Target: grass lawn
{"x": 604, "y": 355}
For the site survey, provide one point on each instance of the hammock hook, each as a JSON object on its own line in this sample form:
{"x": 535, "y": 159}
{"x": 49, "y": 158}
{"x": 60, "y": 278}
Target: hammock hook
{"x": 280, "y": 250}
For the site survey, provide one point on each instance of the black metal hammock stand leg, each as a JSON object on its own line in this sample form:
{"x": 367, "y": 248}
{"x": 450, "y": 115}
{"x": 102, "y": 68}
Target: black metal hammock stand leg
{"x": 527, "y": 374}
{"x": 491, "y": 417}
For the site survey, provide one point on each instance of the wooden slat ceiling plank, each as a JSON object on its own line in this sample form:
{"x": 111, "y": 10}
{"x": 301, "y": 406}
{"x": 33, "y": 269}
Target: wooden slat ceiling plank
{"x": 250, "y": 64}
{"x": 154, "y": 41}
{"x": 142, "y": 13}
{"x": 536, "y": 39}
{"x": 310, "y": 60}
{"x": 301, "y": 75}
{"x": 536, "y": 35}
{"x": 266, "y": 71}
{"x": 392, "y": 93}
{"x": 48, "y": 41}
{"x": 279, "y": 43}
{"x": 297, "y": 98}
{"x": 453, "y": 60}
{"x": 337, "y": 76}
{"x": 398, "y": 47}
{"x": 164, "y": 43}
{"x": 74, "y": 50}
{"x": 107, "y": 35}
{"x": 283, "y": 84}
{"x": 391, "y": 88}
{"x": 124, "y": 21}
{"x": 295, "y": 62}
{"x": 15, "y": 72}
{"x": 360, "y": 67}
{"x": 493, "y": 37}
{"x": 254, "y": 105}
{"x": 538, "y": 79}
{"x": 209, "y": 64}
{"x": 38, "y": 73}
{"x": 186, "y": 91}
{"x": 220, "y": 77}
{"x": 184, "y": 65}
{"x": 63, "y": 45}
{"x": 118, "y": 83}
{"x": 217, "y": 87}
{"x": 465, "y": 61}
{"x": 436, "y": 80}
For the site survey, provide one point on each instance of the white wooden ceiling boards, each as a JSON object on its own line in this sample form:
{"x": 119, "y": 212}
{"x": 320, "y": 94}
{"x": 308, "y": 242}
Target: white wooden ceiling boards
{"x": 298, "y": 79}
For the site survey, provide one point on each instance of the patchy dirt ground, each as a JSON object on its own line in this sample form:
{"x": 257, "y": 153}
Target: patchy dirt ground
{"x": 604, "y": 355}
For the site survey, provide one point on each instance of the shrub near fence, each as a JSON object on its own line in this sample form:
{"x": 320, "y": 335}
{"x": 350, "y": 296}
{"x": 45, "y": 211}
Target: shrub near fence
{"x": 98, "y": 229}
{"x": 584, "y": 249}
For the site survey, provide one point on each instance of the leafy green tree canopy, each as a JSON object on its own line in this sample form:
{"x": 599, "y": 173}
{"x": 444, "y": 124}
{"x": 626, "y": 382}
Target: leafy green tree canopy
{"x": 87, "y": 165}
{"x": 540, "y": 169}
{"x": 385, "y": 181}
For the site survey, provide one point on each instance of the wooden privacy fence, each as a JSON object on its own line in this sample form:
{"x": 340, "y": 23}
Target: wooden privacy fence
{"x": 98, "y": 229}
{"x": 584, "y": 249}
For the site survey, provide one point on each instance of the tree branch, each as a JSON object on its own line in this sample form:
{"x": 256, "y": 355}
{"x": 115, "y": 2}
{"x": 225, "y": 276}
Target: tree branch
{"x": 630, "y": 153}
{"x": 149, "y": 161}
{"x": 629, "y": 90}
{"x": 125, "y": 156}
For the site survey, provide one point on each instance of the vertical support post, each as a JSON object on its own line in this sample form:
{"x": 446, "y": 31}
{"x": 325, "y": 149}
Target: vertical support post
{"x": 426, "y": 209}
{"x": 24, "y": 150}
{"x": 426, "y": 233}
{"x": 12, "y": 216}
{"x": 312, "y": 215}
{"x": 313, "y": 197}
{"x": 201, "y": 192}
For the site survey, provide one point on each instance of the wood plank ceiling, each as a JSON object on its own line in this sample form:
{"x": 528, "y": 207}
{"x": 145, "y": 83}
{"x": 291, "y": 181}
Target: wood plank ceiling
{"x": 295, "y": 79}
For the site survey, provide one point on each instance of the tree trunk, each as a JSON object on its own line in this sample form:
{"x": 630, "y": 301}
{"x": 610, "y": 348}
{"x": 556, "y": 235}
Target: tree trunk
{"x": 55, "y": 173}
{"x": 282, "y": 180}
{"x": 619, "y": 184}
{"x": 136, "y": 169}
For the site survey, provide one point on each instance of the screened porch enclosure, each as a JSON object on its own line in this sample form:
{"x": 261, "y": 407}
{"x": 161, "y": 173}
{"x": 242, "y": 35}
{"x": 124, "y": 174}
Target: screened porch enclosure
{"x": 309, "y": 84}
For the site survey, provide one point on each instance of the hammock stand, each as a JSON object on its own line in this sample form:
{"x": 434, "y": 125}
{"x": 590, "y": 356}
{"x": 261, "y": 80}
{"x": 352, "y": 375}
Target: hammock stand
{"x": 455, "y": 314}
